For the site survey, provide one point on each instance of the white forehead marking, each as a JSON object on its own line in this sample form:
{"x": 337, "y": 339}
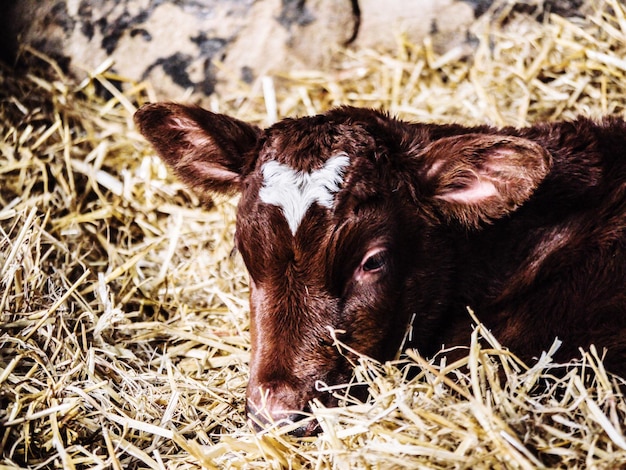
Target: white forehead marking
{"x": 294, "y": 191}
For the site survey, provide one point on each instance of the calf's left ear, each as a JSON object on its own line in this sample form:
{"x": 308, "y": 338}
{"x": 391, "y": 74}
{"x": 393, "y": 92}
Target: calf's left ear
{"x": 209, "y": 152}
{"x": 475, "y": 178}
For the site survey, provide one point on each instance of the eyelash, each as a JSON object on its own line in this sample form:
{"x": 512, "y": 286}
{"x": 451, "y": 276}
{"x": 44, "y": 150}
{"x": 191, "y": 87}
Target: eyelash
{"x": 374, "y": 261}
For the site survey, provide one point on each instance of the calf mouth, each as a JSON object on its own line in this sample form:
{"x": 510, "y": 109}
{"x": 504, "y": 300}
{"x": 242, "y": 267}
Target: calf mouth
{"x": 299, "y": 423}
{"x": 295, "y": 423}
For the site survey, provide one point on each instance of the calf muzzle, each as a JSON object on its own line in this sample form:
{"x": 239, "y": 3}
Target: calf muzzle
{"x": 270, "y": 415}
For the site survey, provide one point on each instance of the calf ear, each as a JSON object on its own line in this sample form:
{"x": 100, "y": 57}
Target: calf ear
{"x": 207, "y": 151}
{"x": 475, "y": 178}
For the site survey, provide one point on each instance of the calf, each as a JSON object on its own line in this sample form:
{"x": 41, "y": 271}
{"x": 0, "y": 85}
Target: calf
{"x": 361, "y": 223}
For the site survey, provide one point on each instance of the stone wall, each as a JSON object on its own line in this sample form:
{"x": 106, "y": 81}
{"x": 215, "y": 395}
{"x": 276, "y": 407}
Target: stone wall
{"x": 200, "y": 46}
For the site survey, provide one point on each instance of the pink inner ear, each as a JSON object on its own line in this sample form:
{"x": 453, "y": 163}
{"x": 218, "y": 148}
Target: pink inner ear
{"x": 475, "y": 193}
{"x": 215, "y": 173}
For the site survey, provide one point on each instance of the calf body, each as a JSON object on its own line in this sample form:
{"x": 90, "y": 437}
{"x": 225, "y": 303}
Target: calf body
{"x": 358, "y": 223}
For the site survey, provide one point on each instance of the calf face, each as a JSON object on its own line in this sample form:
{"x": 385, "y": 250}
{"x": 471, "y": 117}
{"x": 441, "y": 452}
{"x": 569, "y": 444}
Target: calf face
{"x": 353, "y": 224}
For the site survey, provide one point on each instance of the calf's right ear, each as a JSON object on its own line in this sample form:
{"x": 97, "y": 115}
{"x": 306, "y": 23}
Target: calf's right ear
{"x": 209, "y": 152}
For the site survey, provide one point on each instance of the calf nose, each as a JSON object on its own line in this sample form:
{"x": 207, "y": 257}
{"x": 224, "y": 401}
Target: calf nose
{"x": 275, "y": 406}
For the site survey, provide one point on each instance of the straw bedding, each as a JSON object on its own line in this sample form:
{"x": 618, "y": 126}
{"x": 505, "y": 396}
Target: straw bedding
{"x": 123, "y": 314}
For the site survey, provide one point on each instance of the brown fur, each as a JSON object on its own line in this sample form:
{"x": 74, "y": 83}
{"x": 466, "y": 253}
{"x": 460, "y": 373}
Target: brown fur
{"x": 526, "y": 226}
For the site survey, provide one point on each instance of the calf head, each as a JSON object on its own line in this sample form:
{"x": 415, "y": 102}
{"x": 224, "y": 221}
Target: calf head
{"x": 340, "y": 227}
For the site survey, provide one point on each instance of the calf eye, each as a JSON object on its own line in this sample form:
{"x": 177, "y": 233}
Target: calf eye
{"x": 374, "y": 262}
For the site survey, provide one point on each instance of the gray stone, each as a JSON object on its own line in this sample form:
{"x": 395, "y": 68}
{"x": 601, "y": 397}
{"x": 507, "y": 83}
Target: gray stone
{"x": 197, "y": 47}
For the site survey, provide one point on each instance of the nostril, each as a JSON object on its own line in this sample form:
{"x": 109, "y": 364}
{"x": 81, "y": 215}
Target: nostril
{"x": 308, "y": 427}
{"x": 273, "y": 414}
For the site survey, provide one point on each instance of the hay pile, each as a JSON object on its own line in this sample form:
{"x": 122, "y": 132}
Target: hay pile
{"x": 123, "y": 316}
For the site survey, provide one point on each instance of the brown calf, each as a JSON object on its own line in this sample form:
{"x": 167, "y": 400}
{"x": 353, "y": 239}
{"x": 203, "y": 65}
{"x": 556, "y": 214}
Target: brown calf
{"x": 358, "y": 222}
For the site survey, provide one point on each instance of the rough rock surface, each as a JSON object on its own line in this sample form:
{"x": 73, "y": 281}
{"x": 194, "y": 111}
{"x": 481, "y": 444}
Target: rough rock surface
{"x": 200, "y": 46}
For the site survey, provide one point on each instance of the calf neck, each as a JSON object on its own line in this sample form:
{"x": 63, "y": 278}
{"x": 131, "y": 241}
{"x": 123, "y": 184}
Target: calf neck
{"x": 355, "y": 224}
